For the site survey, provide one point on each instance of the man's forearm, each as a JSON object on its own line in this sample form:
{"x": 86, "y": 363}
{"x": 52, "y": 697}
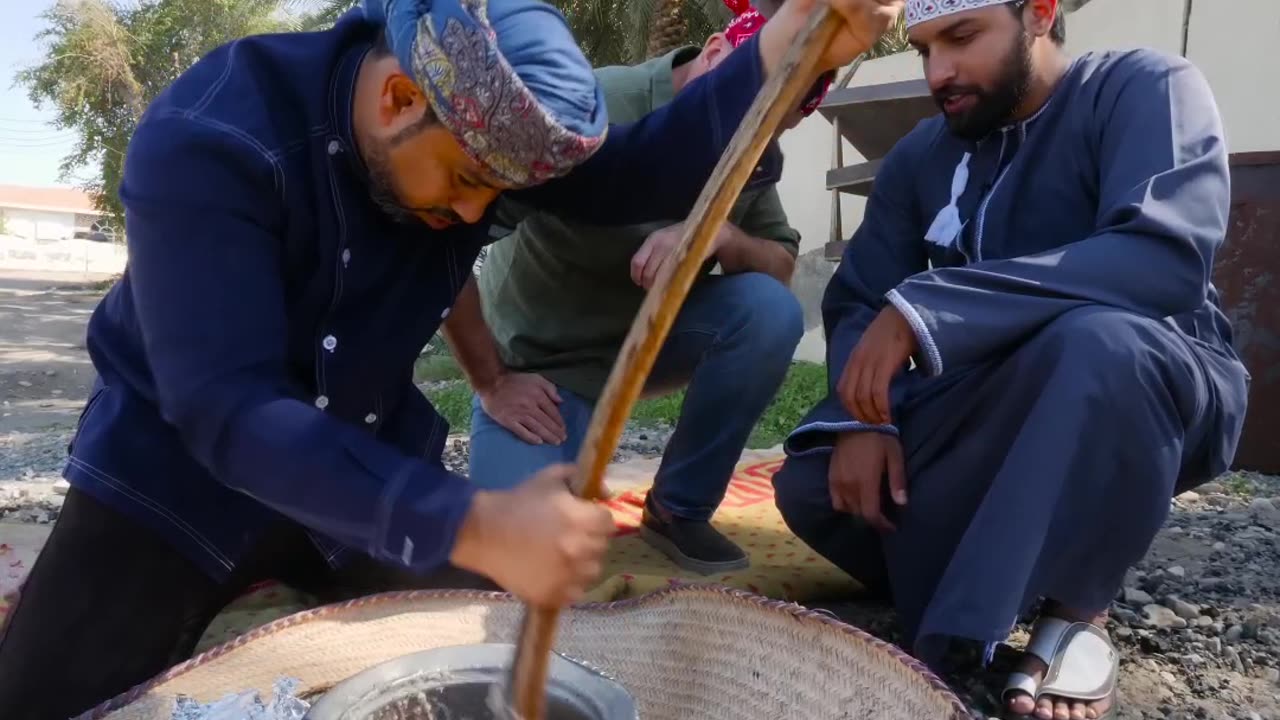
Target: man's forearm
{"x": 742, "y": 253}
{"x": 471, "y": 340}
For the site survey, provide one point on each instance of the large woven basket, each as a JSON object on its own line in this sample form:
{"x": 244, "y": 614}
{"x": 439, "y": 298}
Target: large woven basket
{"x": 686, "y": 653}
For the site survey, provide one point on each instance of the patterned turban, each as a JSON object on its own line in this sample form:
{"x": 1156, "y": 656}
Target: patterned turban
{"x": 747, "y": 22}
{"x": 919, "y": 11}
{"x": 505, "y": 77}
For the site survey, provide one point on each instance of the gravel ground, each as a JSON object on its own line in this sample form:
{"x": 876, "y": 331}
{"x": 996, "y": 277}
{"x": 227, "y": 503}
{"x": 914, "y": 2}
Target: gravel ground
{"x": 31, "y": 483}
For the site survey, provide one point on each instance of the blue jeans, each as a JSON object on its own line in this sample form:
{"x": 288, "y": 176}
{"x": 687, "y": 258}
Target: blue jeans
{"x": 731, "y": 345}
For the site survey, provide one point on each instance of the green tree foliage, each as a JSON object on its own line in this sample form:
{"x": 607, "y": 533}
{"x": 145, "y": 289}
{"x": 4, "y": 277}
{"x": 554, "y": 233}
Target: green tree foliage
{"x": 623, "y": 32}
{"x": 610, "y": 32}
{"x": 105, "y": 60}
{"x": 323, "y": 13}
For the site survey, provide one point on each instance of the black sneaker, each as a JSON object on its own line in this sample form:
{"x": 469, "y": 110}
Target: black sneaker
{"x": 692, "y": 544}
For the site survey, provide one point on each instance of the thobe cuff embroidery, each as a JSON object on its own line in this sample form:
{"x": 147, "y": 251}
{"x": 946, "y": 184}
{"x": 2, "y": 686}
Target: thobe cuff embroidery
{"x": 819, "y": 436}
{"x": 929, "y": 351}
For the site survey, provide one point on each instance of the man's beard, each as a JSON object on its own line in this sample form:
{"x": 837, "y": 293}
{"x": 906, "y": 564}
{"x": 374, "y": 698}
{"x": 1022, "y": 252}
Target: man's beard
{"x": 993, "y": 108}
{"x": 382, "y": 192}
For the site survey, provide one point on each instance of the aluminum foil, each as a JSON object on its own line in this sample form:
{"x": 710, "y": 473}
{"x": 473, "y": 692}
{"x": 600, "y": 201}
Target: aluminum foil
{"x": 249, "y": 705}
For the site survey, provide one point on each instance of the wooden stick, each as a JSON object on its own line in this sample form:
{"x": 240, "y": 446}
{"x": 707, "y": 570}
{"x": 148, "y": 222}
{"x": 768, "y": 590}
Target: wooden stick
{"x": 781, "y": 93}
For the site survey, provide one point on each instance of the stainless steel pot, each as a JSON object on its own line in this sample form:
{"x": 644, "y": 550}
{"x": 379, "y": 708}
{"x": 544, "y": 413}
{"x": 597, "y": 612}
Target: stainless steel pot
{"x": 456, "y": 683}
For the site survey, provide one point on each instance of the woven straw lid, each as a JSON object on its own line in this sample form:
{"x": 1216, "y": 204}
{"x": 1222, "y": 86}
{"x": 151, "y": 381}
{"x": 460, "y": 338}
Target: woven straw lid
{"x": 685, "y": 653}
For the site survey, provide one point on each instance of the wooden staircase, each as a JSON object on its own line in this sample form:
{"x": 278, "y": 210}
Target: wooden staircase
{"x": 872, "y": 118}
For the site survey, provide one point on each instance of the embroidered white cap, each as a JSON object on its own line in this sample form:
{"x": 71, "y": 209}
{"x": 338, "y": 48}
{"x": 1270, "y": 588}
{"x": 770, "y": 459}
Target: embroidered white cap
{"x": 919, "y": 11}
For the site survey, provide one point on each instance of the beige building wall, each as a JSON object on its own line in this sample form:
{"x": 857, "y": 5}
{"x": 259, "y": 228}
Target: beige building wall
{"x": 808, "y": 152}
{"x": 1234, "y": 43}
{"x": 1229, "y": 40}
{"x": 1127, "y": 24}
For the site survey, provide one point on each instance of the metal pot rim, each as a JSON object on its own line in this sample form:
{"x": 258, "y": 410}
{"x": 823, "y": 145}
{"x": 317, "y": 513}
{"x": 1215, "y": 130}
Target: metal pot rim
{"x": 568, "y": 679}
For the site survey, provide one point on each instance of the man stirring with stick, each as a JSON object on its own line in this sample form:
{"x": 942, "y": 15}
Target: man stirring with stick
{"x": 301, "y": 211}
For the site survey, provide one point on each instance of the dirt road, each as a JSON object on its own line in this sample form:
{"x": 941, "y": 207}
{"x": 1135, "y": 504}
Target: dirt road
{"x": 44, "y": 370}
{"x": 45, "y": 377}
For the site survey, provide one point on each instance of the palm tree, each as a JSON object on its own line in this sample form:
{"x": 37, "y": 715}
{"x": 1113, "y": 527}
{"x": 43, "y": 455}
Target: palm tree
{"x": 667, "y": 28}
{"x": 673, "y": 23}
{"x": 892, "y": 42}
{"x": 623, "y": 32}
{"x": 610, "y": 32}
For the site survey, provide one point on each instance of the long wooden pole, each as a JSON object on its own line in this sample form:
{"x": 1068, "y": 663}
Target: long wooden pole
{"x": 781, "y": 92}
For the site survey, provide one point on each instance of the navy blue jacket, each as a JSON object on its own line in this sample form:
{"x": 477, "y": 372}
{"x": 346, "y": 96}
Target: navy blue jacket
{"x": 256, "y": 360}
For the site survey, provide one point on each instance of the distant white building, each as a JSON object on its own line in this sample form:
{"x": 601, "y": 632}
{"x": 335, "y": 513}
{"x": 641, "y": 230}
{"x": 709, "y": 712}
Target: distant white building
{"x": 51, "y": 213}
{"x": 57, "y": 229}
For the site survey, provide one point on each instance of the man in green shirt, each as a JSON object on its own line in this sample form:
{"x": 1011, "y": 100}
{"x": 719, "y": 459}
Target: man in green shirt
{"x": 560, "y": 297}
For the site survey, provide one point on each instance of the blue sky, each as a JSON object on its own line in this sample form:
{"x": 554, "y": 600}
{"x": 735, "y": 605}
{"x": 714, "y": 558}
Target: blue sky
{"x": 30, "y": 147}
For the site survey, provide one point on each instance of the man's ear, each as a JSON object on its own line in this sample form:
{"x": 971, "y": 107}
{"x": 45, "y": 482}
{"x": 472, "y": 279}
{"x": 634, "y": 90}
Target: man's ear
{"x": 1039, "y": 16}
{"x": 401, "y": 102}
{"x": 715, "y": 49}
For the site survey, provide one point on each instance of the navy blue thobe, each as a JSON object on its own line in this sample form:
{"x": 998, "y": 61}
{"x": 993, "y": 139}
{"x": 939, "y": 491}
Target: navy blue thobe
{"x": 1074, "y": 370}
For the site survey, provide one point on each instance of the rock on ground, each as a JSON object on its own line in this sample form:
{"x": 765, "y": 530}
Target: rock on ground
{"x": 31, "y": 484}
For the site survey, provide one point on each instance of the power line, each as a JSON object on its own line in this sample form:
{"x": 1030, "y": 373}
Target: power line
{"x": 47, "y": 129}
{"x": 35, "y": 135}
{"x": 35, "y": 153}
{"x": 42, "y": 144}
{"x": 26, "y": 121}
{"x": 5, "y": 137}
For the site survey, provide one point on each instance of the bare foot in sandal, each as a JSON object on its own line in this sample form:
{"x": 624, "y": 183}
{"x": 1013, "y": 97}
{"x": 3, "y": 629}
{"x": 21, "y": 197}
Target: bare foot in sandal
{"x": 1050, "y": 707}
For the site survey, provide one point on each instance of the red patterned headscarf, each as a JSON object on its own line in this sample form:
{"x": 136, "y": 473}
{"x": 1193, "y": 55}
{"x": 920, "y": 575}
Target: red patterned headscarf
{"x": 747, "y": 22}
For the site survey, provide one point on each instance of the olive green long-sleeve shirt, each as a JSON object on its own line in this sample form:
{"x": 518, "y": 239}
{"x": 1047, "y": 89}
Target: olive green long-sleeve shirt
{"x": 558, "y": 295}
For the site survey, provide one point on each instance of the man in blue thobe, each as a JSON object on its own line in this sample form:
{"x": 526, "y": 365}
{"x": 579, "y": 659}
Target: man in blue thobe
{"x": 1042, "y": 251}
{"x": 301, "y": 211}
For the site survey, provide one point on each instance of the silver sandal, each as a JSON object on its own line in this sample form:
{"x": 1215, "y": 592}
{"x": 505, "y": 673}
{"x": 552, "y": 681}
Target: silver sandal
{"x": 1083, "y": 665}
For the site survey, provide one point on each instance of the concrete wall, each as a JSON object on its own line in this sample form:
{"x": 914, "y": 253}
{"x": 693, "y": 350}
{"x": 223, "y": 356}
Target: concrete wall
{"x": 1229, "y": 41}
{"x": 1126, "y": 24}
{"x": 72, "y": 256}
{"x": 808, "y": 150}
{"x": 1234, "y": 43}
{"x": 39, "y": 224}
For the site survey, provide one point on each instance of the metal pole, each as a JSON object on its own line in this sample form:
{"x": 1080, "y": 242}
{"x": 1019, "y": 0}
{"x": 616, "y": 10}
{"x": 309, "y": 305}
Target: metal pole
{"x": 837, "y": 157}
